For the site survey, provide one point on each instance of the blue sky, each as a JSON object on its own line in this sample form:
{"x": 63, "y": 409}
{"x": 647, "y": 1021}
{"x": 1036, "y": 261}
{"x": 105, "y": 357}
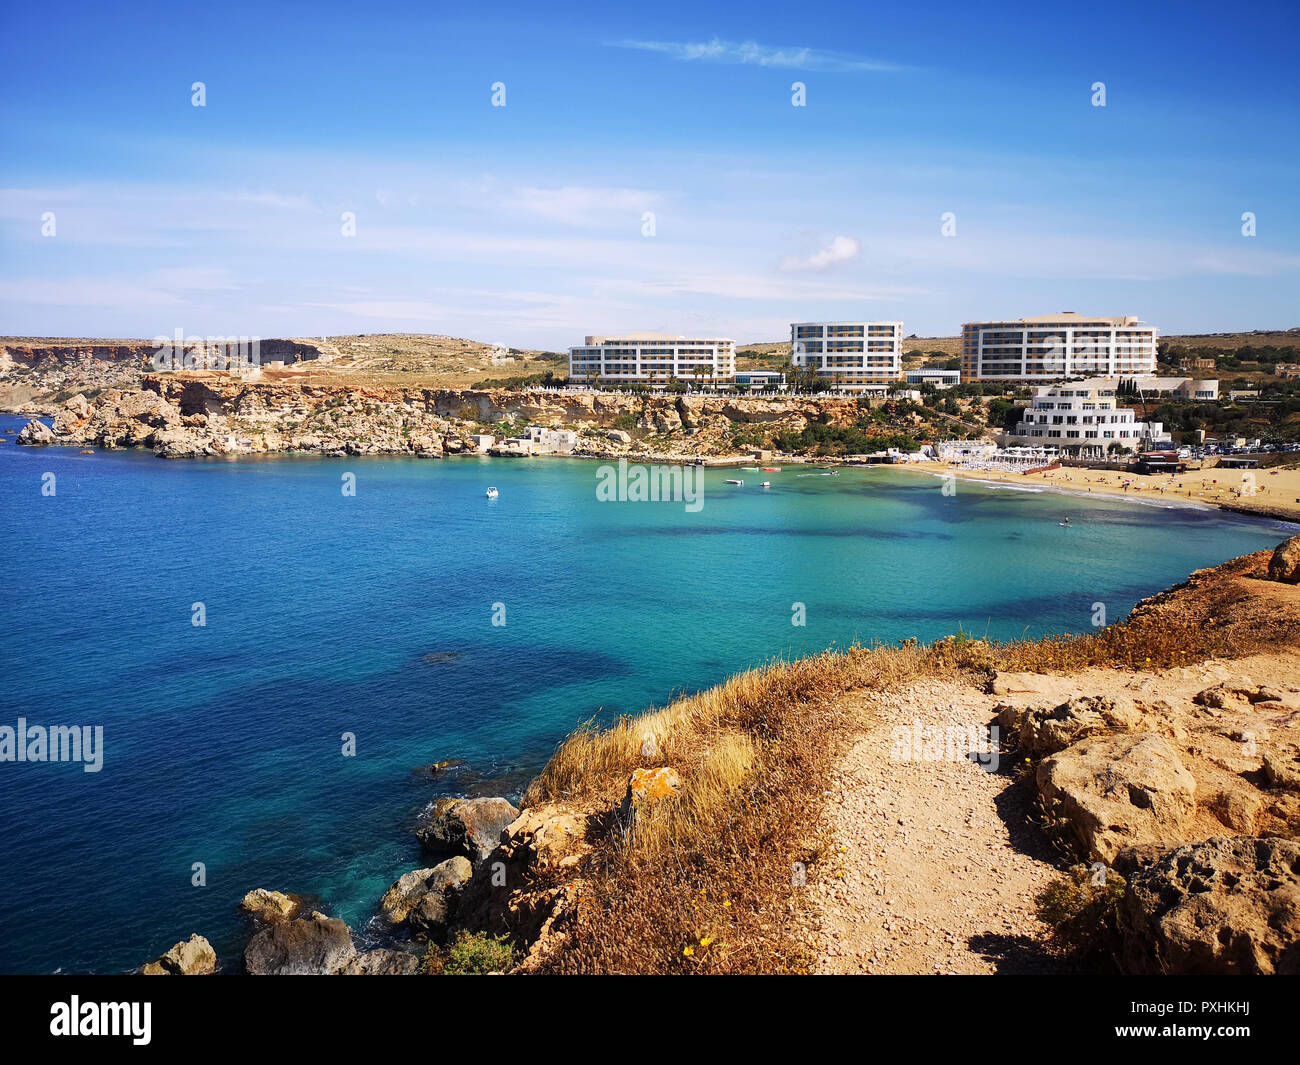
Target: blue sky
{"x": 523, "y": 224}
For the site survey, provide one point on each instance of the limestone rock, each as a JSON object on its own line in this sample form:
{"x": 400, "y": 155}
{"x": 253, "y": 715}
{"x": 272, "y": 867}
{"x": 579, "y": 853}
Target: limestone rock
{"x": 1285, "y": 563}
{"x": 406, "y": 899}
{"x": 471, "y": 827}
{"x": 1117, "y": 791}
{"x": 189, "y": 957}
{"x": 548, "y": 837}
{"x": 177, "y": 444}
{"x": 382, "y": 963}
{"x": 618, "y": 436}
{"x": 315, "y": 945}
{"x": 1239, "y": 809}
{"x": 1228, "y": 905}
{"x": 1040, "y": 731}
{"x": 1282, "y": 768}
{"x": 271, "y": 907}
{"x": 36, "y": 434}
{"x": 508, "y": 898}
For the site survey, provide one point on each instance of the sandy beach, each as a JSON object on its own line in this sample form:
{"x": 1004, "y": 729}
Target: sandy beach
{"x": 1268, "y": 493}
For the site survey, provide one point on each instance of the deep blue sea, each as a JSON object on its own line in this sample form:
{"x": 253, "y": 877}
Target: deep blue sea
{"x": 372, "y": 614}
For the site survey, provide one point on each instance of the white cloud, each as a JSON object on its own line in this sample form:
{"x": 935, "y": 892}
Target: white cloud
{"x": 753, "y": 53}
{"x": 840, "y": 250}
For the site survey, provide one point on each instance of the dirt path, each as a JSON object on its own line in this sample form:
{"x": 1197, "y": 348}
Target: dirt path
{"x": 939, "y": 870}
{"x": 935, "y": 865}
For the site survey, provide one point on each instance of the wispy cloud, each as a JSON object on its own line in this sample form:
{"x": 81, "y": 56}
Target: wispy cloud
{"x": 578, "y": 205}
{"x": 755, "y": 54}
{"x": 840, "y": 250}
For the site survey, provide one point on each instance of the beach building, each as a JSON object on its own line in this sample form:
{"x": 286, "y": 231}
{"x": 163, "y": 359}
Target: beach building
{"x": 760, "y": 381}
{"x": 551, "y": 441}
{"x": 1081, "y": 418}
{"x": 653, "y": 358}
{"x": 930, "y": 376}
{"x": 962, "y": 451}
{"x": 1052, "y": 347}
{"x": 864, "y": 358}
{"x": 1149, "y": 386}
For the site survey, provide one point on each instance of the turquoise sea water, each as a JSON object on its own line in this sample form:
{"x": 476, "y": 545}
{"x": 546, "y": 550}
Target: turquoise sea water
{"x": 373, "y": 615}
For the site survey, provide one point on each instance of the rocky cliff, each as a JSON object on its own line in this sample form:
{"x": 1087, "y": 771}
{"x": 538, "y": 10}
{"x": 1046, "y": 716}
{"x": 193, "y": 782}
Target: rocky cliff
{"x": 179, "y": 415}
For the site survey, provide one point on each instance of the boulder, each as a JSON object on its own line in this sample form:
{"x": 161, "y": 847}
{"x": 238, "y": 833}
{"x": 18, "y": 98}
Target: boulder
{"x": 1239, "y": 809}
{"x": 618, "y": 436}
{"x": 410, "y": 889}
{"x": 1282, "y": 768}
{"x": 507, "y": 897}
{"x": 666, "y": 421}
{"x": 1228, "y": 905}
{"x": 1230, "y": 695}
{"x": 382, "y": 963}
{"x": 1041, "y": 730}
{"x": 78, "y": 407}
{"x": 1117, "y": 791}
{"x": 1285, "y": 563}
{"x": 314, "y": 945}
{"x": 176, "y": 443}
{"x": 189, "y": 957}
{"x": 271, "y": 907}
{"x": 36, "y": 434}
{"x": 471, "y": 827}
{"x": 689, "y": 411}
{"x": 547, "y": 837}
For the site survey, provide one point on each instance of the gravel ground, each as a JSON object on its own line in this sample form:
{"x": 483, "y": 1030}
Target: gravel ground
{"x": 934, "y": 867}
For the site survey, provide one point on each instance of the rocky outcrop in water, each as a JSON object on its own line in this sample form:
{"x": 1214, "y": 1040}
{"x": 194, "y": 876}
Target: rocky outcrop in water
{"x": 425, "y": 899}
{"x": 271, "y": 907}
{"x": 314, "y": 945}
{"x": 469, "y": 827}
{"x": 189, "y": 957}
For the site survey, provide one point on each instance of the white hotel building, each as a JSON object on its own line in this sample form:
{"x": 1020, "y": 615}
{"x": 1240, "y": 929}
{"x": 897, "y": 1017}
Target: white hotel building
{"x": 653, "y": 358}
{"x": 1081, "y": 419}
{"x": 862, "y": 357}
{"x": 1052, "y": 347}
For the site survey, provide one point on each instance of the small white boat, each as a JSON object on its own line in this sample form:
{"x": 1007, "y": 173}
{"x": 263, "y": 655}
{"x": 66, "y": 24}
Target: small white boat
{"x": 491, "y": 493}
{"x": 731, "y": 480}
{"x": 764, "y": 484}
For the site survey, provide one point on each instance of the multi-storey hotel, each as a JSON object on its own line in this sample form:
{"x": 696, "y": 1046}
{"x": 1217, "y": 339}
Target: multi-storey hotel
{"x": 653, "y": 358}
{"x": 1082, "y": 418}
{"x": 864, "y": 357}
{"x": 1052, "y": 347}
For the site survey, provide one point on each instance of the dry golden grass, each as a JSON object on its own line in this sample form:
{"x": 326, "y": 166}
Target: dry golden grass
{"x": 709, "y": 883}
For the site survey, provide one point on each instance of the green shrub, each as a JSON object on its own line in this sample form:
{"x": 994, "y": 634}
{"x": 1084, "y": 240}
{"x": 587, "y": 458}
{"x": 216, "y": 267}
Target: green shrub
{"x": 1082, "y": 913}
{"x": 470, "y": 954}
